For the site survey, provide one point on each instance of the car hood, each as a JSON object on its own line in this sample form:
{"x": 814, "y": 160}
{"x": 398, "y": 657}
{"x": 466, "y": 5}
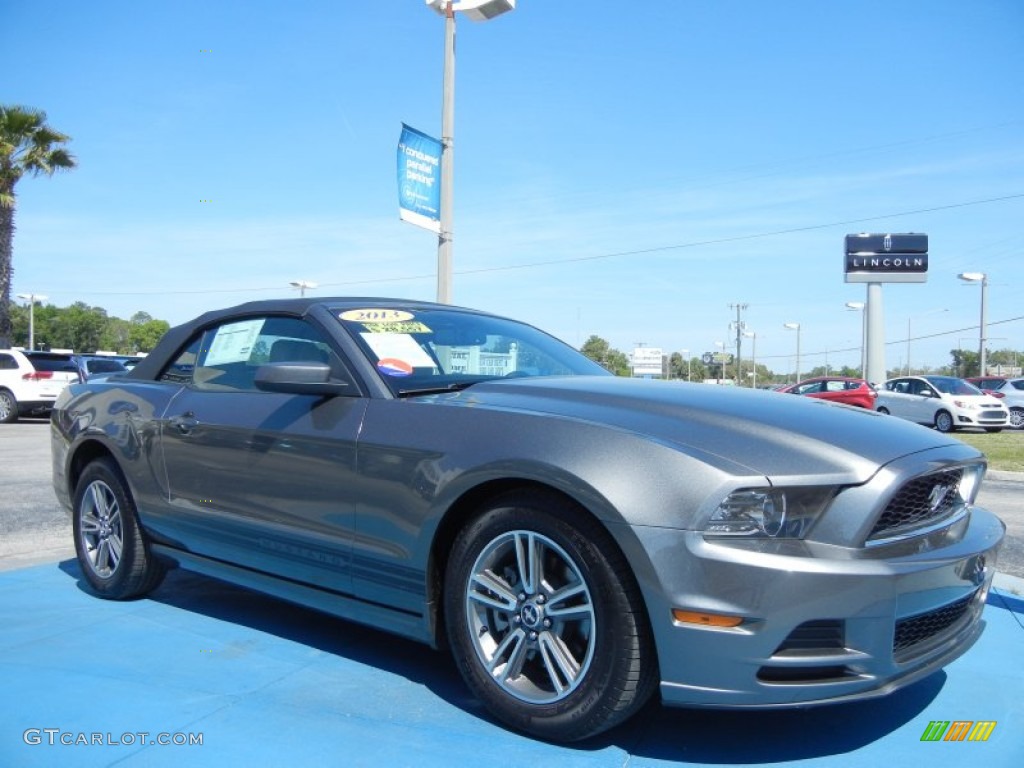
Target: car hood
{"x": 768, "y": 433}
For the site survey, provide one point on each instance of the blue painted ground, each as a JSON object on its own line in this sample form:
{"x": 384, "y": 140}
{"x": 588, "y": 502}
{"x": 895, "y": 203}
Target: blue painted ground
{"x": 268, "y": 684}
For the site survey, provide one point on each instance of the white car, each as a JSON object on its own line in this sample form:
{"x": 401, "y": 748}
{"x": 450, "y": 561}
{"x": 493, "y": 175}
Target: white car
{"x": 1009, "y": 391}
{"x": 945, "y": 402}
{"x": 31, "y": 381}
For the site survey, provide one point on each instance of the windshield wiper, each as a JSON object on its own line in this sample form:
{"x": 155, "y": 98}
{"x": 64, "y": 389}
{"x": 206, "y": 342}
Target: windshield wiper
{"x": 455, "y": 386}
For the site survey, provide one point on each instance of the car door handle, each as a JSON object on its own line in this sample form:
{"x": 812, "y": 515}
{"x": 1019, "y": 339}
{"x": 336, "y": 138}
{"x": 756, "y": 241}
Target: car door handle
{"x": 184, "y": 423}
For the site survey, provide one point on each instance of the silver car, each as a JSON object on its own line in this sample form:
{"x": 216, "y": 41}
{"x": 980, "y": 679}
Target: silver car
{"x": 580, "y": 542}
{"x": 1009, "y": 391}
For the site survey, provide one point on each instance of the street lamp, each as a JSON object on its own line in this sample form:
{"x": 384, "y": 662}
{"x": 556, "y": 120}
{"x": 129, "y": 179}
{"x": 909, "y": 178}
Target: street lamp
{"x": 476, "y": 10}
{"x": 858, "y": 306}
{"x": 753, "y": 354}
{"x": 932, "y": 312}
{"x": 980, "y": 277}
{"x": 795, "y": 327}
{"x": 302, "y": 285}
{"x": 32, "y": 298}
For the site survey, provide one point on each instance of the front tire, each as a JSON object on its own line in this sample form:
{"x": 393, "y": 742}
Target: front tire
{"x": 1016, "y": 418}
{"x": 883, "y": 409}
{"x": 112, "y": 552}
{"x": 545, "y": 620}
{"x": 944, "y": 421}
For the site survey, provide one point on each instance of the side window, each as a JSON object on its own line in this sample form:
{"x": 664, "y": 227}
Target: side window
{"x": 225, "y": 358}
{"x": 8, "y": 363}
{"x": 180, "y": 371}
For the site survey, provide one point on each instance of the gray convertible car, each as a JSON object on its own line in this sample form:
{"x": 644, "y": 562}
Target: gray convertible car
{"x": 577, "y": 541}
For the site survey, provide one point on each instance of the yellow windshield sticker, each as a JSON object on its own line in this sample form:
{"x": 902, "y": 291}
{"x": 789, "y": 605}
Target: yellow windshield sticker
{"x": 376, "y": 315}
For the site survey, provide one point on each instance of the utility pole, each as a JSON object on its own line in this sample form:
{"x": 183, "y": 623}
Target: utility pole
{"x": 740, "y": 325}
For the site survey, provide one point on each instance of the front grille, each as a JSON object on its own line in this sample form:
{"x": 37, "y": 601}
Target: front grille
{"x": 924, "y": 500}
{"x": 917, "y": 629}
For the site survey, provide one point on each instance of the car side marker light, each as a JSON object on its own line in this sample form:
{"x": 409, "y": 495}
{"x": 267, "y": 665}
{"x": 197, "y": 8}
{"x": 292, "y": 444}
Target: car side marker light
{"x": 706, "y": 619}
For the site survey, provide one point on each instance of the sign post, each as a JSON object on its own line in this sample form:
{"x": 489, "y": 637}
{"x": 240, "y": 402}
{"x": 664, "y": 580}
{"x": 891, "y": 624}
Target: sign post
{"x": 882, "y": 258}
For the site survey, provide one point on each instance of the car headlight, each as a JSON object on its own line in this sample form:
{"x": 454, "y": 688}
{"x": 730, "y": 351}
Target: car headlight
{"x": 970, "y": 482}
{"x": 769, "y": 512}
{"x": 967, "y": 405}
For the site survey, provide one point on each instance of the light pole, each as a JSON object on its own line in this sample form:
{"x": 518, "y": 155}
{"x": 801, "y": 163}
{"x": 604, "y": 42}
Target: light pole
{"x": 858, "y": 306}
{"x": 795, "y": 327}
{"x": 932, "y": 312}
{"x": 980, "y": 277}
{"x": 753, "y": 355}
{"x": 302, "y": 285}
{"x": 476, "y": 10}
{"x": 32, "y": 298}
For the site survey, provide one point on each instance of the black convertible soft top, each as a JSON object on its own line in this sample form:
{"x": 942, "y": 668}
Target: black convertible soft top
{"x": 149, "y": 367}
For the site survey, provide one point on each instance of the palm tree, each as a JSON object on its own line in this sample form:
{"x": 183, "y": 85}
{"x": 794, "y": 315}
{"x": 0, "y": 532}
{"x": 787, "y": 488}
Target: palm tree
{"x": 27, "y": 145}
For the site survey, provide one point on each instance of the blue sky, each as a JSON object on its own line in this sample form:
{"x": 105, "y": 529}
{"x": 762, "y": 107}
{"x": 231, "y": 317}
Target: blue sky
{"x": 621, "y": 169}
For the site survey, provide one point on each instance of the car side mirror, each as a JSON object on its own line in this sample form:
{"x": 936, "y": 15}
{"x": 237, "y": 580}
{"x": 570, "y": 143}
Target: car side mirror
{"x": 303, "y": 379}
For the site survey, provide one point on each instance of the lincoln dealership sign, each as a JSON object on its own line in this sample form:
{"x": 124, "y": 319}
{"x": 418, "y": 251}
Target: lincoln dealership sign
{"x": 891, "y": 258}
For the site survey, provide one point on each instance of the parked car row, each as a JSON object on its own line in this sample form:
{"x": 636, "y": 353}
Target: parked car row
{"x": 944, "y": 402}
{"x": 31, "y": 381}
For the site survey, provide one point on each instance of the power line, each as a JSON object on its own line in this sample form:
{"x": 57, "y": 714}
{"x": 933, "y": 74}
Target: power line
{"x": 596, "y": 257}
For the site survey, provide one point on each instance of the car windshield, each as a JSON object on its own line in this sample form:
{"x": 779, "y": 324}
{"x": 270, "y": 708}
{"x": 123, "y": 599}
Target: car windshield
{"x": 419, "y": 351}
{"x": 951, "y": 386}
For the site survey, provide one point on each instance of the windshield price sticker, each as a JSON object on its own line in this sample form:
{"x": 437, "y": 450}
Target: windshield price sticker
{"x": 405, "y": 327}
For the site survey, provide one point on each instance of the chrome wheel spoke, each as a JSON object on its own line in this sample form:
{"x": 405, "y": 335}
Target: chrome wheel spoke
{"x": 90, "y": 525}
{"x": 507, "y": 661}
{"x": 557, "y": 607}
{"x": 492, "y": 592}
{"x": 562, "y": 668}
{"x": 99, "y": 499}
{"x": 528, "y": 561}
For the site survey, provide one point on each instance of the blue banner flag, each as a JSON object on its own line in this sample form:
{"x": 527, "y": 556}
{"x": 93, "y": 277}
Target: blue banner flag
{"x": 419, "y": 179}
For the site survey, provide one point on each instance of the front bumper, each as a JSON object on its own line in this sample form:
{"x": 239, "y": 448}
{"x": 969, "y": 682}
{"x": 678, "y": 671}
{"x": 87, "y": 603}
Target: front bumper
{"x": 821, "y": 623}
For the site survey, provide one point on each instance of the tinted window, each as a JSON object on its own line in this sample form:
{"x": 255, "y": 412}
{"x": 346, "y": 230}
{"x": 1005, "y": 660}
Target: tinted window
{"x": 51, "y": 362}
{"x": 225, "y": 358}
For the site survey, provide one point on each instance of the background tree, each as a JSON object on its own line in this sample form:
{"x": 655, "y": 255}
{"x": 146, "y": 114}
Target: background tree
{"x": 143, "y": 337}
{"x": 27, "y": 145}
{"x": 602, "y": 353}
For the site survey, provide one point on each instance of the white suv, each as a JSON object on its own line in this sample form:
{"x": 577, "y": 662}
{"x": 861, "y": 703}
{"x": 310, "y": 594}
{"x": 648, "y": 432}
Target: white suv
{"x": 31, "y": 381}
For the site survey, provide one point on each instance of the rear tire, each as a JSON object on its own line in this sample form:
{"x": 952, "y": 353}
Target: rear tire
{"x": 883, "y": 409}
{"x": 112, "y": 551}
{"x": 8, "y": 407}
{"x": 545, "y": 620}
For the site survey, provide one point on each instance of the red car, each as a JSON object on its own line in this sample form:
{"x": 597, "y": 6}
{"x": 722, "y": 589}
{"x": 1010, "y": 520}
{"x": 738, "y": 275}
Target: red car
{"x": 837, "y": 389}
